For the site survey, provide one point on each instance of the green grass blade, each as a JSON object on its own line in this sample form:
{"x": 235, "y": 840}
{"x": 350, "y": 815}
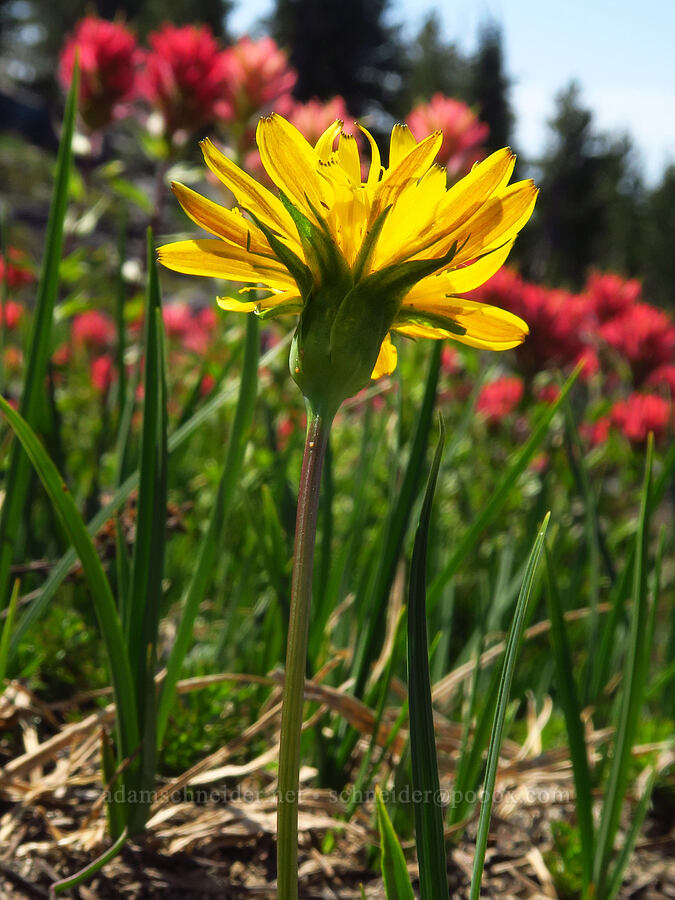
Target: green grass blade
{"x": 59, "y": 887}
{"x": 104, "y": 603}
{"x": 7, "y": 627}
{"x": 394, "y": 871}
{"x": 120, "y": 297}
{"x": 364, "y": 775}
{"x": 575, "y": 731}
{"x": 428, "y": 812}
{"x": 499, "y": 495}
{"x": 38, "y": 353}
{"x": 397, "y": 527}
{"x": 143, "y": 609}
{"x": 148, "y": 555}
{"x": 630, "y": 839}
{"x": 578, "y": 466}
{"x": 510, "y": 654}
{"x": 633, "y": 685}
{"x": 208, "y": 548}
{"x": 179, "y": 437}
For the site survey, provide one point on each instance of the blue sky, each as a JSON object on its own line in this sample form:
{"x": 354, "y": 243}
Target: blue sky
{"x": 623, "y": 59}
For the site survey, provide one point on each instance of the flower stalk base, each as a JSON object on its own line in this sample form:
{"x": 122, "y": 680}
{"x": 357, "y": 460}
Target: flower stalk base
{"x": 318, "y": 430}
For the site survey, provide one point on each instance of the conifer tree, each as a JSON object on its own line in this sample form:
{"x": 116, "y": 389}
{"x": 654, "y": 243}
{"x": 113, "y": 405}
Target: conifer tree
{"x": 342, "y": 48}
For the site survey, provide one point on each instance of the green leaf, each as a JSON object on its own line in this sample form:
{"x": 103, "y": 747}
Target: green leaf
{"x": 510, "y": 655}
{"x": 397, "y": 884}
{"x": 104, "y": 603}
{"x": 7, "y": 627}
{"x": 575, "y": 730}
{"x": 208, "y": 548}
{"x": 373, "y": 600}
{"x": 143, "y": 608}
{"x": 636, "y": 665}
{"x": 425, "y": 781}
{"x": 39, "y": 345}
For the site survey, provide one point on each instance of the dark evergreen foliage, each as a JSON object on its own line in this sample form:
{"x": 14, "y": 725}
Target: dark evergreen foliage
{"x": 342, "y": 48}
{"x": 489, "y": 87}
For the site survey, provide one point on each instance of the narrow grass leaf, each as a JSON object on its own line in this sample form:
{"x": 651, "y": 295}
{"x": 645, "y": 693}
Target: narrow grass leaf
{"x": 362, "y": 779}
{"x": 578, "y": 467}
{"x": 397, "y": 526}
{"x": 630, "y": 838}
{"x": 208, "y": 548}
{"x": 633, "y": 685}
{"x": 397, "y": 884}
{"x": 7, "y": 627}
{"x": 59, "y": 887}
{"x": 147, "y": 566}
{"x": 499, "y": 495}
{"x": 620, "y": 590}
{"x": 38, "y": 350}
{"x": 104, "y": 603}
{"x": 428, "y": 813}
{"x": 120, "y": 297}
{"x": 510, "y": 654}
{"x": 575, "y": 731}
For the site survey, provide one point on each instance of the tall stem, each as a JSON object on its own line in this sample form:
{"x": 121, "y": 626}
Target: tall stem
{"x": 318, "y": 429}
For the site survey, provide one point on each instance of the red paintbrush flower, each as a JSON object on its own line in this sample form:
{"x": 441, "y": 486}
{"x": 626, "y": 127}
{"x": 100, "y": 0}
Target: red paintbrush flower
{"x": 463, "y": 133}
{"x": 185, "y": 76}
{"x": 644, "y": 336}
{"x": 500, "y": 398}
{"x": 108, "y": 56}
{"x": 641, "y": 413}
{"x": 258, "y": 77}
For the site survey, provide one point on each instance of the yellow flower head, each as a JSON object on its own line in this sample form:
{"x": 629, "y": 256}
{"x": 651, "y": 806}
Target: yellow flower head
{"x": 358, "y": 260}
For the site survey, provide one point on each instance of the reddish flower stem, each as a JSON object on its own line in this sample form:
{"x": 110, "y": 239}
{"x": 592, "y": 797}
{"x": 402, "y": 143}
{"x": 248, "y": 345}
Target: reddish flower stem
{"x": 318, "y": 430}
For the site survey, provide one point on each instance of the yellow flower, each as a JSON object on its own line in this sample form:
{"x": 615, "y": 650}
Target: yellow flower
{"x": 359, "y": 260}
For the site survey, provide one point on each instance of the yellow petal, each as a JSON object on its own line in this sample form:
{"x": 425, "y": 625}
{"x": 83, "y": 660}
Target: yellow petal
{"x": 461, "y": 280}
{"x": 375, "y": 163}
{"x": 348, "y": 157}
{"x": 412, "y": 214}
{"x": 498, "y": 221}
{"x": 402, "y": 141}
{"x": 219, "y": 220}
{"x": 324, "y": 146}
{"x": 487, "y": 327}
{"x": 231, "y": 304}
{"x": 216, "y": 259}
{"x": 468, "y": 195}
{"x": 386, "y": 360}
{"x": 249, "y": 194}
{"x": 413, "y": 166}
{"x": 292, "y": 164}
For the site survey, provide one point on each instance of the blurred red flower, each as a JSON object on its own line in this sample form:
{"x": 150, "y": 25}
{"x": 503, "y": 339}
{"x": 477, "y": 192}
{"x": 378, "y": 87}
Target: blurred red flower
{"x": 93, "y": 330}
{"x": 608, "y": 295}
{"x": 644, "y": 336}
{"x": 463, "y": 133}
{"x": 596, "y": 433}
{"x": 663, "y": 376}
{"x": 500, "y": 398}
{"x": 312, "y": 118}
{"x": 108, "y": 56}
{"x": 17, "y": 273}
{"x": 13, "y": 314}
{"x": 560, "y": 325}
{"x": 258, "y": 78}
{"x": 639, "y": 414}
{"x": 185, "y": 76}
{"x": 101, "y": 372}
{"x": 177, "y": 319}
